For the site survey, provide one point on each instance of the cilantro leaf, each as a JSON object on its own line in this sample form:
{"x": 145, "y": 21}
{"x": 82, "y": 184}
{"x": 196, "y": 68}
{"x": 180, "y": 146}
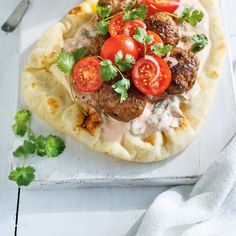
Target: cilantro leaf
{"x": 65, "y": 62}
{"x": 104, "y": 12}
{"x": 23, "y": 176}
{"x": 108, "y": 71}
{"x": 80, "y": 53}
{"x": 121, "y": 87}
{"x": 160, "y": 49}
{"x": 199, "y": 41}
{"x": 142, "y": 37}
{"x": 21, "y": 118}
{"x": 40, "y": 143}
{"x": 54, "y": 146}
{"x": 139, "y": 13}
{"x": 102, "y": 27}
{"x": 126, "y": 63}
{"x": 24, "y": 150}
{"x": 191, "y": 16}
{"x": 19, "y": 129}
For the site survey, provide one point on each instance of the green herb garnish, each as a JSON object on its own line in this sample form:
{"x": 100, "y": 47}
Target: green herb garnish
{"x": 121, "y": 87}
{"x": 199, "y": 41}
{"x": 131, "y": 14}
{"x": 161, "y": 50}
{"x": 126, "y": 63}
{"x": 141, "y": 36}
{"x": 21, "y": 119}
{"x": 104, "y": 13}
{"x": 108, "y": 71}
{"x": 191, "y": 16}
{"x": 23, "y": 176}
{"x": 50, "y": 146}
{"x": 66, "y": 60}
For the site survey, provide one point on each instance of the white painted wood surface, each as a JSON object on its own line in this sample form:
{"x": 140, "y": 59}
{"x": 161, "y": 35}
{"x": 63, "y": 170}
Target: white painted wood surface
{"x": 105, "y": 211}
{"x": 80, "y": 166}
{"x": 9, "y": 45}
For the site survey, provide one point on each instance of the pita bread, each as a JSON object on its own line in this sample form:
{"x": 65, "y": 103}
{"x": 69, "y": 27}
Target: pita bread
{"x": 46, "y": 94}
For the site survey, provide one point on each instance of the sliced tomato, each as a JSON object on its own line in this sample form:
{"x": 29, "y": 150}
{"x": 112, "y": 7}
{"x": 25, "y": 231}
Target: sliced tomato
{"x": 155, "y": 6}
{"x": 85, "y": 75}
{"x": 151, "y": 75}
{"x": 157, "y": 39}
{"x": 119, "y": 26}
{"x": 131, "y": 26}
{"x": 121, "y": 42}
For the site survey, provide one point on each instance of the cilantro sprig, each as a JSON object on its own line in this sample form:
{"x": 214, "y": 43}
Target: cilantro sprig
{"x": 142, "y": 37}
{"x": 20, "y": 127}
{"x": 126, "y": 63}
{"x": 23, "y": 176}
{"x": 121, "y": 87}
{"x": 200, "y": 41}
{"x": 191, "y": 16}
{"x": 131, "y": 14}
{"x": 110, "y": 71}
{"x": 50, "y": 146}
{"x": 66, "y": 60}
{"x": 104, "y": 13}
{"x": 161, "y": 50}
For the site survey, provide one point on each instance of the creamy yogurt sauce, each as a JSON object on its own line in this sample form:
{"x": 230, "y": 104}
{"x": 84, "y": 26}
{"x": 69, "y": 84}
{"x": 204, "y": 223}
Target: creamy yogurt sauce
{"x": 186, "y": 31}
{"x": 83, "y": 36}
{"x": 164, "y": 115}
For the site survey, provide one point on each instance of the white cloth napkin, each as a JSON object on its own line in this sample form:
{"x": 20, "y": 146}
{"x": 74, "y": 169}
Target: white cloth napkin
{"x": 208, "y": 208}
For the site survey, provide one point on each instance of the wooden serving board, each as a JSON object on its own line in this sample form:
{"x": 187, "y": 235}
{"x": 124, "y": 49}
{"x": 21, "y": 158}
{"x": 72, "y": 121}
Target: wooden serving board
{"x": 79, "y": 166}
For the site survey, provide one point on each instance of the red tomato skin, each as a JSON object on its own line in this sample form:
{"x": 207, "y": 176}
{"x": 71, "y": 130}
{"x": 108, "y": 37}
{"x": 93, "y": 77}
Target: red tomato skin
{"x": 121, "y": 42}
{"x": 131, "y": 26}
{"x": 86, "y": 76}
{"x": 155, "y": 6}
{"x": 164, "y": 79}
{"x": 117, "y": 25}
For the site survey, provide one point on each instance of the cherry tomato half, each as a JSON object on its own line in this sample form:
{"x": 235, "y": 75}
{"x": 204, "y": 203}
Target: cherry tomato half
{"x": 85, "y": 75}
{"x": 155, "y": 6}
{"x": 119, "y": 26}
{"x": 157, "y": 39}
{"x": 121, "y": 42}
{"x": 151, "y": 75}
{"x": 131, "y": 26}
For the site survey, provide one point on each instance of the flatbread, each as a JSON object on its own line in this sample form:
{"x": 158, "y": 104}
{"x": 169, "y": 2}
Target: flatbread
{"x": 48, "y": 98}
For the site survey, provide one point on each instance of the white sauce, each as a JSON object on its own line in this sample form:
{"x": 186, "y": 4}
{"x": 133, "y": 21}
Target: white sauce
{"x": 188, "y": 31}
{"x": 83, "y": 36}
{"x": 113, "y": 130}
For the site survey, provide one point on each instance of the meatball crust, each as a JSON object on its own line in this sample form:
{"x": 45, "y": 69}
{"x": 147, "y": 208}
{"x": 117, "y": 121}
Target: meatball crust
{"x": 131, "y": 108}
{"x": 184, "y": 73}
{"x": 164, "y": 25}
{"x": 117, "y": 5}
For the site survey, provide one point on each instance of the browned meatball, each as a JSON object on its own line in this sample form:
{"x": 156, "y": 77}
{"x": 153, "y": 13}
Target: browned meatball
{"x": 117, "y": 5}
{"x": 157, "y": 98}
{"x": 184, "y": 72}
{"x": 164, "y": 26}
{"x": 131, "y": 108}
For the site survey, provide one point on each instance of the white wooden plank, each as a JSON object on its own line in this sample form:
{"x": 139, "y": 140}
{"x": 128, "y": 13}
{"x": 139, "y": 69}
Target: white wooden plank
{"x": 8, "y": 78}
{"x": 103, "y": 211}
{"x": 79, "y": 164}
